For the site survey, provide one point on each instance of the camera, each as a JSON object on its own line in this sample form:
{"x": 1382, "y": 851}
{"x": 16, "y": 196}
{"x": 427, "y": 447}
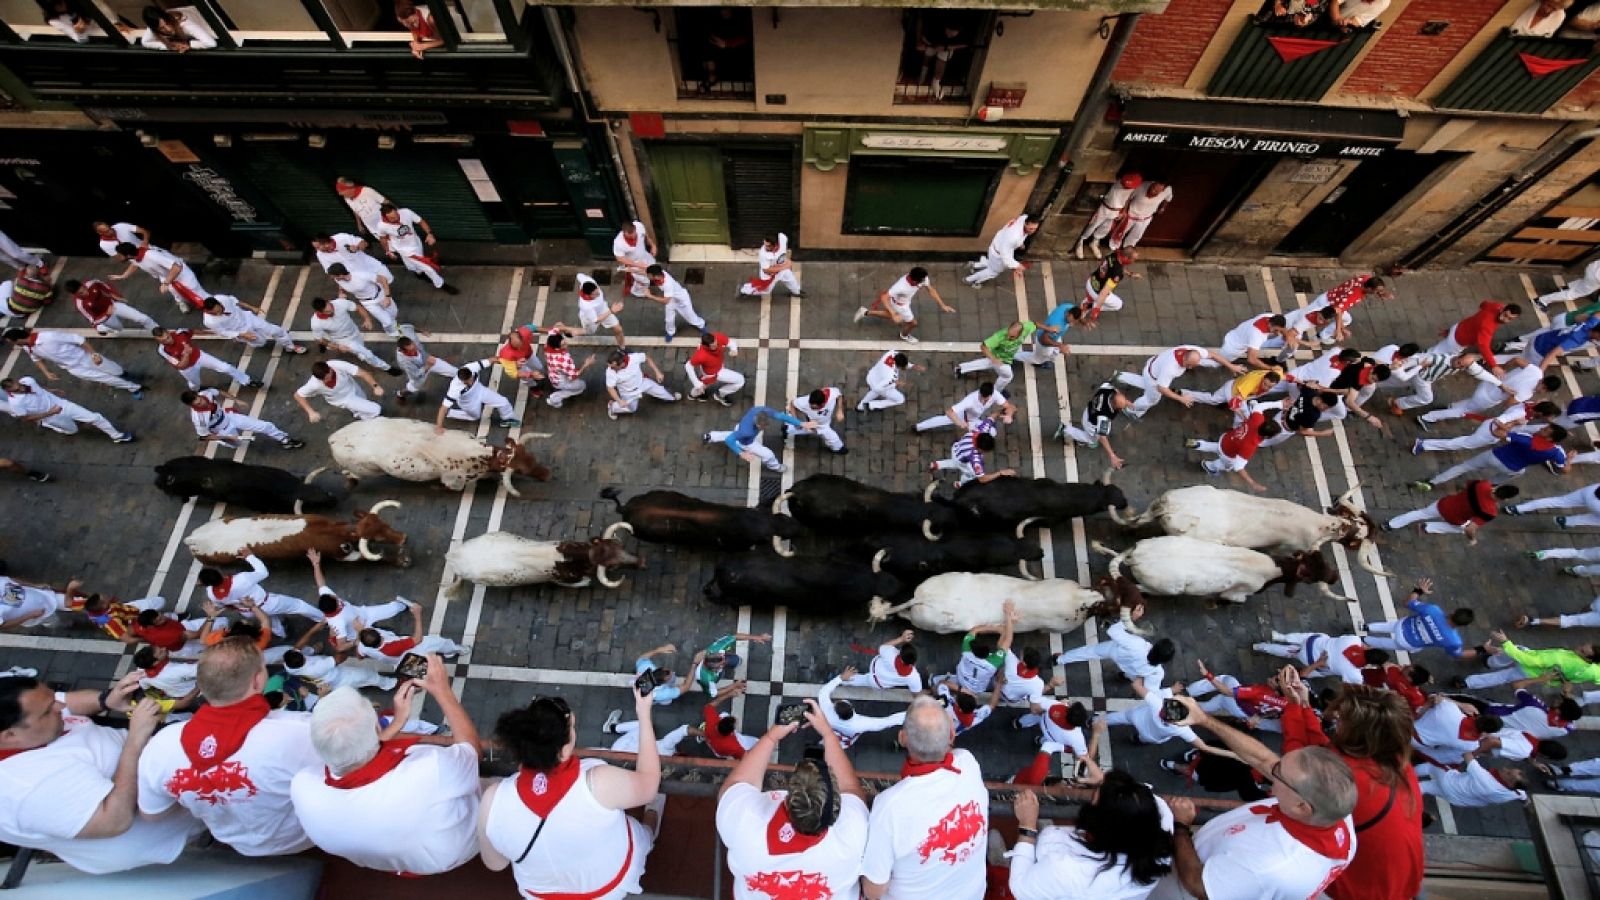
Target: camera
{"x": 412, "y": 666}
{"x": 1173, "y": 710}
{"x": 645, "y": 684}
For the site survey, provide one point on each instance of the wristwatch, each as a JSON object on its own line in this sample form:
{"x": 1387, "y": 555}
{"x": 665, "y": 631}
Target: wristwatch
{"x": 1032, "y": 833}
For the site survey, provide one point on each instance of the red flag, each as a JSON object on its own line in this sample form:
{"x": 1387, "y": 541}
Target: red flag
{"x": 1539, "y": 67}
{"x": 1292, "y": 48}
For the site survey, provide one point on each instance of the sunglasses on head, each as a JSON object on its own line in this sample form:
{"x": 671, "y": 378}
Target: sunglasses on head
{"x": 558, "y": 704}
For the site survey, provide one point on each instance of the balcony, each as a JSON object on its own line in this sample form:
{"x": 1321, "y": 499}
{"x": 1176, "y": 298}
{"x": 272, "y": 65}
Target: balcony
{"x": 1520, "y": 75}
{"x": 1109, "y": 7}
{"x": 1277, "y": 62}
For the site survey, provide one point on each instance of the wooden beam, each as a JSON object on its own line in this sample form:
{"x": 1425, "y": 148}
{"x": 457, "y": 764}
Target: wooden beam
{"x": 1515, "y": 250}
{"x": 1566, "y": 235}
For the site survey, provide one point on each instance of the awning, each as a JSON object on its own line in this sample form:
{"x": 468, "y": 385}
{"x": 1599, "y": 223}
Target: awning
{"x": 1256, "y": 128}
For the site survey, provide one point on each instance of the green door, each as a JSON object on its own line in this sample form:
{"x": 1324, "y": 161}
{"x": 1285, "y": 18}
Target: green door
{"x": 689, "y": 180}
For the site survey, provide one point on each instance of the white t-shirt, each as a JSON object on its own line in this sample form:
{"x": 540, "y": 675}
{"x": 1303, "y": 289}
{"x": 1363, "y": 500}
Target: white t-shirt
{"x": 1146, "y": 719}
{"x": 342, "y": 624}
{"x": 338, "y": 327}
{"x": 629, "y": 380}
{"x": 234, "y": 321}
{"x": 1132, "y": 656}
{"x": 1248, "y": 335}
{"x": 1061, "y": 866}
{"x": 364, "y": 286}
{"x": 244, "y": 800}
{"x": 1472, "y": 786}
{"x": 638, "y": 252}
{"x": 887, "y": 677}
{"x": 404, "y": 239}
{"x": 63, "y": 349}
{"x": 345, "y": 251}
{"x": 829, "y": 868}
{"x": 1069, "y": 738}
{"x": 419, "y": 817}
{"x": 1116, "y": 196}
{"x": 926, "y": 835}
{"x": 802, "y": 405}
{"x": 176, "y": 679}
{"x": 902, "y": 292}
{"x": 1248, "y": 859}
{"x": 1166, "y": 368}
{"x": 366, "y": 204}
{"x": 973, "y": 407}
{"x": 592, "y": 311}
{"x": 1361, "y": 13}
{"x": 126, "y": 233}
{"x": 1143, "y": 206}
{"x": 671, "y": 289}
{"x": 18, "y": 600}
{"x": 345, "y": 387}
{"x": 766, "y": 259}
{"x": 1009, "y": 239}
{"x": 49, "y": 794}
{"x": 1020, "y": 689}
{"x": 158, "y": 262}
{"x": 884, "y": 372}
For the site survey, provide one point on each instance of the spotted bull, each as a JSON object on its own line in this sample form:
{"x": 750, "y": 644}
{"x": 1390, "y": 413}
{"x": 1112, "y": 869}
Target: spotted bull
{"x": 499, "y": 559}
{"x": 279, "y": 537}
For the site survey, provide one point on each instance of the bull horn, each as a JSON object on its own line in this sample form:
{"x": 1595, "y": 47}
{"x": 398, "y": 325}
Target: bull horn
{"x": 1348, "y": 498}
{"x": 879, "y": 609}
{"x": 505, "y": 482}
{"x": 1022, "y": 526}
{"x": 600, "y": 575}
{"x": 382, "y": 505}
{"x": 1027, "y": 573}
{"x": 780, "y": 506}
{"x": 782, "y": 547}
{"x": 928, "y": 492}
{"x": 928, "y": 532}
{"x": 312, "y": 475}
{"x": 297, "y": 505}
{"x": 1105, "y": 477}
{"x": 366, "y": 552}
{"x": 1125, "y": 613}
{"x": 614, "y": 528}
{"x": 1325, "y": 589}
{"x": 1367, "y": 558}
{"x": 1103, "y": 550}
{"x": 1118, "y": 518}
{"x": 877, "y": 560}
{"x": 524, "y": 439}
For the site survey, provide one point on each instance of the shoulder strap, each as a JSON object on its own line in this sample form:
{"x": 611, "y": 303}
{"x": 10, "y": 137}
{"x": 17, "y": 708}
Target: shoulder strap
{"x": 1387, "y": 805}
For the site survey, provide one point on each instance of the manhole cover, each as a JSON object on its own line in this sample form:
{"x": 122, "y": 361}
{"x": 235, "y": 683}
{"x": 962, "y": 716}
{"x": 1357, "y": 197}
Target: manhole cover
{"x": 694, "y": 276}
{"x": 565, "y": 283}
{"x": 1235, "y": 283}
{"x": 1300, "y": 283}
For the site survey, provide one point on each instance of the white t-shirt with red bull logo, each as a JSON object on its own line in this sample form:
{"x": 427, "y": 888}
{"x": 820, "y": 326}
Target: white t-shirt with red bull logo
{"x": 1249, "y": 856}
{"x": 771, "y": 861}
{"x": 928, "y": 834}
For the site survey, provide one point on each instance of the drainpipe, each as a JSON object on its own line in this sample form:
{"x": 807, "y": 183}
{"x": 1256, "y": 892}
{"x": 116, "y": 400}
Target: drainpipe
{"x": 1496, "y": 200}
{"x": 580, "y": 99}
{"x": 1092, "y": 108}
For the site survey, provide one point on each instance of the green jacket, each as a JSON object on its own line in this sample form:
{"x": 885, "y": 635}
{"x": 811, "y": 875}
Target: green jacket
{"x": 1541, "y": 662}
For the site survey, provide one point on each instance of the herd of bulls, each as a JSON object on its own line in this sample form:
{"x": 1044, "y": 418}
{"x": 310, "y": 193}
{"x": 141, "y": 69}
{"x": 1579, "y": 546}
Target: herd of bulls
{"x": 921, "y": 552}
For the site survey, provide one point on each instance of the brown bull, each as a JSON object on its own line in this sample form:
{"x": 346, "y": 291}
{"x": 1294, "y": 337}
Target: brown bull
{"x": 285, "y": 537}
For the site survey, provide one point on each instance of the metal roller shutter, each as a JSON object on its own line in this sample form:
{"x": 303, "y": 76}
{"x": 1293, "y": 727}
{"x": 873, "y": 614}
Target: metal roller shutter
{"x": 760, "y": 191}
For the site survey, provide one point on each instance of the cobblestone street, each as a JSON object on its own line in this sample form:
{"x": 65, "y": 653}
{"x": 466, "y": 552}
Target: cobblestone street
{"x": 102, "y": 518}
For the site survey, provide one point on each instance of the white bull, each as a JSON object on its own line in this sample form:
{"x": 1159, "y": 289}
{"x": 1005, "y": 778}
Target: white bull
{"x": 500, "y": 559}
{"x": 957, "y": 602}
{"x": 1237, "y": 519}
{"x": 410, "y": 451}
{"x": 1186, "y": 567}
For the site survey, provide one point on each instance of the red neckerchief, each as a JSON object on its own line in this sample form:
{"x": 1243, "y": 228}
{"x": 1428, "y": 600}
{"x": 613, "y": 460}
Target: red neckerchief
{"x": 7, "y": 754}
{"x": 410, "y": 351}
{"x": 155, "y": 670}
{"x": 1468, "y": 730}
{"x": 203, "y": 405}
{"x": 217, "y": 732}
{"x": 31, "y": 339}
{"x": 138, "y": 255}
{"x": 542, "y": 789}
{"x": 395, "y": 648}
{"x": 1534, "y": 741}
{"x": 630, "y": 241}
{"x": 1356, "y": 654}
{"x": 389, "y": 755}
{"x": 913, "y": 769}
{"x": 1263, "y": 324}
{"x": 1026, "y": 672}
{"x": 336, "y": 610}
{"x": 965, "y": 718}
{"x": 1501, "y": 775}
{"x": 901, "y": 668}
{"x": 349, "y": 192}
{"x": 222, "y": 589}
{"x": 1553, "y": 718}
{"x": 1540, "y": 442}
{"x": 1332, "y": 842}
{"x": 1366, "y": 376}
{"x": 323, "y": 315}
{"x": 332, "y": 379}
{"x": 783, "y": 838}
{"x": 1179, "y": 354}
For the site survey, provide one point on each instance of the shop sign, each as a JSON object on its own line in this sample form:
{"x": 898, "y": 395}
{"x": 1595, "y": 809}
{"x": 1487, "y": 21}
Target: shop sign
{"x": 1236, "y": 142}
{"x": 1315, "y": 173}
{"x": 943, "y": 143}
{"x": 221, "y": 191}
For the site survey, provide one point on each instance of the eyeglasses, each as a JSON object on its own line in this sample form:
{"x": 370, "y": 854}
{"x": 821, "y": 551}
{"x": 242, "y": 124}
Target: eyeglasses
{"x": 1276, "y": 775}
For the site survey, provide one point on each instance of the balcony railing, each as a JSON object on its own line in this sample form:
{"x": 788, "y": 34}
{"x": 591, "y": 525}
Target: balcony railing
{"x": 1520, "y": 74}
{"x": 1280, "y": 62}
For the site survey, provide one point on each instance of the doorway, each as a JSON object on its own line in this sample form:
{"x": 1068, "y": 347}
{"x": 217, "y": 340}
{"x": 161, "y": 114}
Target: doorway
{"x": 759, "y": 184}
{"x": 1206, "y": 187}
{"x": 1360, "y": 200}
{"x": 689, "y": 182}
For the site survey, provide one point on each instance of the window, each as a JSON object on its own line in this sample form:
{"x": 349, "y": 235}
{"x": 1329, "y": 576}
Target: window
{"x": 940, "y": 55}
{"x": 252, "y": 21}
{"x": 919, "y": 195}
{"x": 52, "y": 20}
{"x": 714, "y": 53}
{"x": 380, "y": 21}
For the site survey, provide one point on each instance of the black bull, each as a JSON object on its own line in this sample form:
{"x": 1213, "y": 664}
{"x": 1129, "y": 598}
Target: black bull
{"x": 813, "y": 585}
{"x": 913, "y": 560}
{"x": 261, "y": 488}
{"x": 1005, "y": 503}
{"x": 836, "y": 505}
{"x": 668, "y": 517}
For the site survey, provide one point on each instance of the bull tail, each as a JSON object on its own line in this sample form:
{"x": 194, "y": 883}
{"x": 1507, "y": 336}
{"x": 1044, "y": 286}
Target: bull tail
{"x": 612, "y": 494}
{"x": 453, "y": 582}
{"x": 879, "y": 609}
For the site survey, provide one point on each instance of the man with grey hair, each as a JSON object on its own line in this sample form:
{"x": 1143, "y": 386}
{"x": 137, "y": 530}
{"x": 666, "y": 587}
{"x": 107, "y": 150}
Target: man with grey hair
{"x": 396, "y": 804}
{"x": 926, "y": 834}
{"x": 1293, "y": 845}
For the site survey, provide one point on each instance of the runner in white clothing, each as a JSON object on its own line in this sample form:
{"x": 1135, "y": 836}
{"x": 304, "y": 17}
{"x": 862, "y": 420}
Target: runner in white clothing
{"x": 1474, "y": 786}
{"x": 883, "y": 381}
{"x": 230, "y": 317}
{"x": 216, "y": 419}
{"x": 113, "y": 234}
{"x": 635, "y": 252}
{"x": 72, "y": 353}
{"x": 1139, "y": 660}
{"x": 364, "y": 202}
{"x": 173, "y": 274}
{"x": 337, "y": 382}
{"x": 178, "y": 349}
{"x": 1106, "y": 214}
{"x": 773, "y": 267}
{"x": 844, "y": 721}
{"x": 975, "y": 406}
{"x": 894, "y": 304}
{"x": 27, "y": 401}
{"x": 412, "y": 358}
{"x": 1576, "y": 289}
{"x": 374, "y": 291}
{"x": 345, "y": 620}
{"x": 408, "y": 237}
{"x": 174, "y": 680}
{"x": 23, "y": 603}
{"x": 825, "y": 408}
{"x": 468, "y": 398}
{"x": 243, "y": 590}
{"x": 1246, "y": 341}
{"x": 333, "y": 328}
{"x": 1002, "y": 255}
{"x": 385, "y": 646}
{"x": 895, "y": 666}
{"x": 626, "y": 383}
{"x": 1343, "y": 656}
{"x": 326, "y": 672}
{"x": 674, "y": 299}
{"x": 1519, "y": 384}
{"x": 1142, "y": 207}
{"x": 1164, "y": 368}
{"x": 346, "y": 248}
{"x": 100, "y": 303}
{"x": 593, "y": 311}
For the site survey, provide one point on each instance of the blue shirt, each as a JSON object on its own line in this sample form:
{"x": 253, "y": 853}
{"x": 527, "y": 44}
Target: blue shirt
{"x": 1058, "y": 320}
{"x": 1429, "y": 627}
{"x": 1523, "y": 450}
{"x": 1584, "y": 406}
{"x": 1565, "y": 339}
{"x": 664, "y": 693}
{"x": 746, "y": 431}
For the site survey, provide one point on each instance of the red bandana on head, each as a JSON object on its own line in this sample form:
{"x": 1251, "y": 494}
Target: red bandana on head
{"x": 541, "y": 790}
{"x": 389, "y": 755}
{"x": 1332, "y": 841}
{"x": 217, "y": 732}
{"x": 913, "y": 769}
{"x": 783, "y": 838}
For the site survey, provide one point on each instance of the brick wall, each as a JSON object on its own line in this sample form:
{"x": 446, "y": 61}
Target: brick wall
{"x": 1585, "y": 95}
{"x": 1164, "y": 48}
{"x": 1405, "y": 59}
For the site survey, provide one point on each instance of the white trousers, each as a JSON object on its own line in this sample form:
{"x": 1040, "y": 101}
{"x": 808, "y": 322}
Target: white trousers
{"x": 785, "y": 278}
{"x": 72, "y": 415}
{"x": 1486, "y": 397}
{"x": 1587, "y": 555}
{"x": 964, "y": 472}
{"x": 755, "y": 447}
{"x": 1100, "y": 225}
{"x": 1002, "y": 371}
{"x": 1505, "y": 671}
{"x": 266, "y": 332}
{"x": 566, "y": 391}
{"x": 681, "y": 308}
{"x": 186, "y": 285}
{"x": 630, "y": 402}
{"x": 191, "y": 375}
{"x": 416, "y": 263}
{"x": 1431, "y": 515}
{"x": 883, "y": 397}
{"x": 1421, "y": 394}
{"x": 122, "y": 315}
{"x": 1580, "y": 287}
{"x": 107, "y": 373}
{"x": 1583, "y": 498}
{"x": 1083, "y": 432}
{"x": 237, "y": 423}
{"x": 1038, "y": 354}
{"x": 355, "y": 675}
{"x": 355, "y": 346}
{"x": 1486, "y": 463}
{"x": 360, "y": 407}
{"x": 1133, "y": 234}
{"x": 1111, "y": 303}
{"x": 1482, "y": 436}
{"x": 12, "y": 254}
{"x": 1223, "y": 462}
{"x": 386, "y": 313}
{"x": 824, "y": 430}
{"x": 666, "y": 745}
{"x": 991, "y": 266}
{"x": 415, "y": 383}
{"x": 729, "y": 380}
{"x": 472, "y": 408}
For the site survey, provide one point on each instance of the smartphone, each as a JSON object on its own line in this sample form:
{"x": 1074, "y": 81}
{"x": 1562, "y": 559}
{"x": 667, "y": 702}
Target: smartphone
{"x": 412, "y": 666}
{"x": 791, "y": 713}
{"x": 1173, "y": 710}
{"x": 1080, "y": 770}
{"x": 645, "y": 684}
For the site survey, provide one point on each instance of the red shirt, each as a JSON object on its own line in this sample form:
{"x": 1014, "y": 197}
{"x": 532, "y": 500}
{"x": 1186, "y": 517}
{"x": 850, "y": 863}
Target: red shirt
{"x": 1260, "y": 700}
{"x": 180, "y": 353}
{"x": 1348, "y": 294}
{"x": 507, "y": 351}
{"x": 709, "y": 359}
{"x": 1392, "y": 678}
{"x": 94, "y": 300}
{"x": 1476, "y": 332}
{"x": 168, "y": 635}
{"x": 726, "y": 746}
{"x": 1475, "y": 504}
{"x": 1245, "y": 438}
{"x": 1388, "y": 861}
